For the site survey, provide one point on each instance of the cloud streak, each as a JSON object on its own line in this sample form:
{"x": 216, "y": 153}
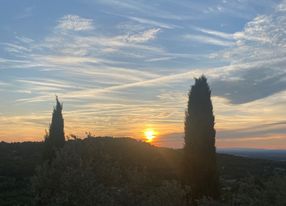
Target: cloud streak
{"x": 75, "y": 23}
{"x": 208, "y": 40}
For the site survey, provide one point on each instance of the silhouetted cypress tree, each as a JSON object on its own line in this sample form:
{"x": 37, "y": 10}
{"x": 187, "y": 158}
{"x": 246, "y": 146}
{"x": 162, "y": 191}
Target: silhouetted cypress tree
{"x": 200, "y": 152}
{"x": 55, "y": 139}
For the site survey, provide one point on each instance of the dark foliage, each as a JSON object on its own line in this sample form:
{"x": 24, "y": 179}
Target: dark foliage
{"x": 55, "y": 139}
{"x": 256, "y": 191}
{"x": 160, "y": 166}
{"x": 200, "y": 152}
{"x": 17, "y": 164}
{"x": 106, "y": 171}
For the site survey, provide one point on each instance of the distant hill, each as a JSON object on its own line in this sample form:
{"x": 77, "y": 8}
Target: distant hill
{"x": 278, "y": 155}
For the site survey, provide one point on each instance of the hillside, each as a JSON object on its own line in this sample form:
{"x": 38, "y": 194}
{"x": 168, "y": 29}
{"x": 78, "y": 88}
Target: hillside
{"x": 19, "y": 160}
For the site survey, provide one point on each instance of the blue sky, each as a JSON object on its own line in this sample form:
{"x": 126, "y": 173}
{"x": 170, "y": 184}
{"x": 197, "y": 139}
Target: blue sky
{"x": 121, "y": 67}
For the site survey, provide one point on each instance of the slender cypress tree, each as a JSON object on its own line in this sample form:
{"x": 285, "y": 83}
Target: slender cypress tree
{"x": 55, "y": 139}
{"x": 200, "y": 152}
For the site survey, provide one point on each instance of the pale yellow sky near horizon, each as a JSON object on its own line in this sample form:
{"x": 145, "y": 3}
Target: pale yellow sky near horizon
{"x": 241, "y": 125}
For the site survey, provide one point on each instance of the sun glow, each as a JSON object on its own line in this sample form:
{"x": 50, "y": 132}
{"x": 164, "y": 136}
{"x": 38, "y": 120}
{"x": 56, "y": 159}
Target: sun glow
{"x": 149, "y": 135}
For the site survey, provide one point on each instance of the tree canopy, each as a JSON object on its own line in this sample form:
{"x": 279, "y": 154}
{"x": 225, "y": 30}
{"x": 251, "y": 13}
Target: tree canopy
{"x": 55, "y": 139}
{"x": 200, "y": 151}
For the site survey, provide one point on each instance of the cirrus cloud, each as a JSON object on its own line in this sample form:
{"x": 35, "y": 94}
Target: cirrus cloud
{"x": 75, "y": 23}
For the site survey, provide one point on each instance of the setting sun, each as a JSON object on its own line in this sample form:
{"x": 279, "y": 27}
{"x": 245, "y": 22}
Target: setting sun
{"x": 149, "y": 135}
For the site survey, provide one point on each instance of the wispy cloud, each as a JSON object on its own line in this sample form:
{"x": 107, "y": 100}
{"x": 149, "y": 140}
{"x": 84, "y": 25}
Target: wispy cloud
{"x": 152, "y": 22}
{"x": 150, "y": 8}
{"x": 160, "y": 59}
{"x": 143, "y": 37}
{"x": 15, "y": 48}
{"x": 216, "y": 33}
{"x": 75, "y": 23}
{"x": 263, "y": 38}
{"x": 25, "y": 40}
{"x": 282, "y": 6}
{"x": 208, "y": 40}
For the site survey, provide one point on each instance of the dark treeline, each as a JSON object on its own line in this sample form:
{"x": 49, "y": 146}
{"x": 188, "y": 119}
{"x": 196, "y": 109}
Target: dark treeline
{"x": 109, "y": 171}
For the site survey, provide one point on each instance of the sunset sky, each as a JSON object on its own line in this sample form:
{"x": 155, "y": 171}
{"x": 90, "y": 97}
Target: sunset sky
{"x": 124, "y": 66}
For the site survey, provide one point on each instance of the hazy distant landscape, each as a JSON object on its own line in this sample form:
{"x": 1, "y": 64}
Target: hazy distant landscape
{"x": 278, "y": 155}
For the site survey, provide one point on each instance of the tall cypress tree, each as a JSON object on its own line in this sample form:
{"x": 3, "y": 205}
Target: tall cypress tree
{"x": 200, "y": 152}
{"x": 55, "y": 139}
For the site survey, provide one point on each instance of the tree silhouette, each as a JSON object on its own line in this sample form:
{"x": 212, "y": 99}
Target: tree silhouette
{"x": 55, "y": 139}
{"x": 200, "y": 152}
